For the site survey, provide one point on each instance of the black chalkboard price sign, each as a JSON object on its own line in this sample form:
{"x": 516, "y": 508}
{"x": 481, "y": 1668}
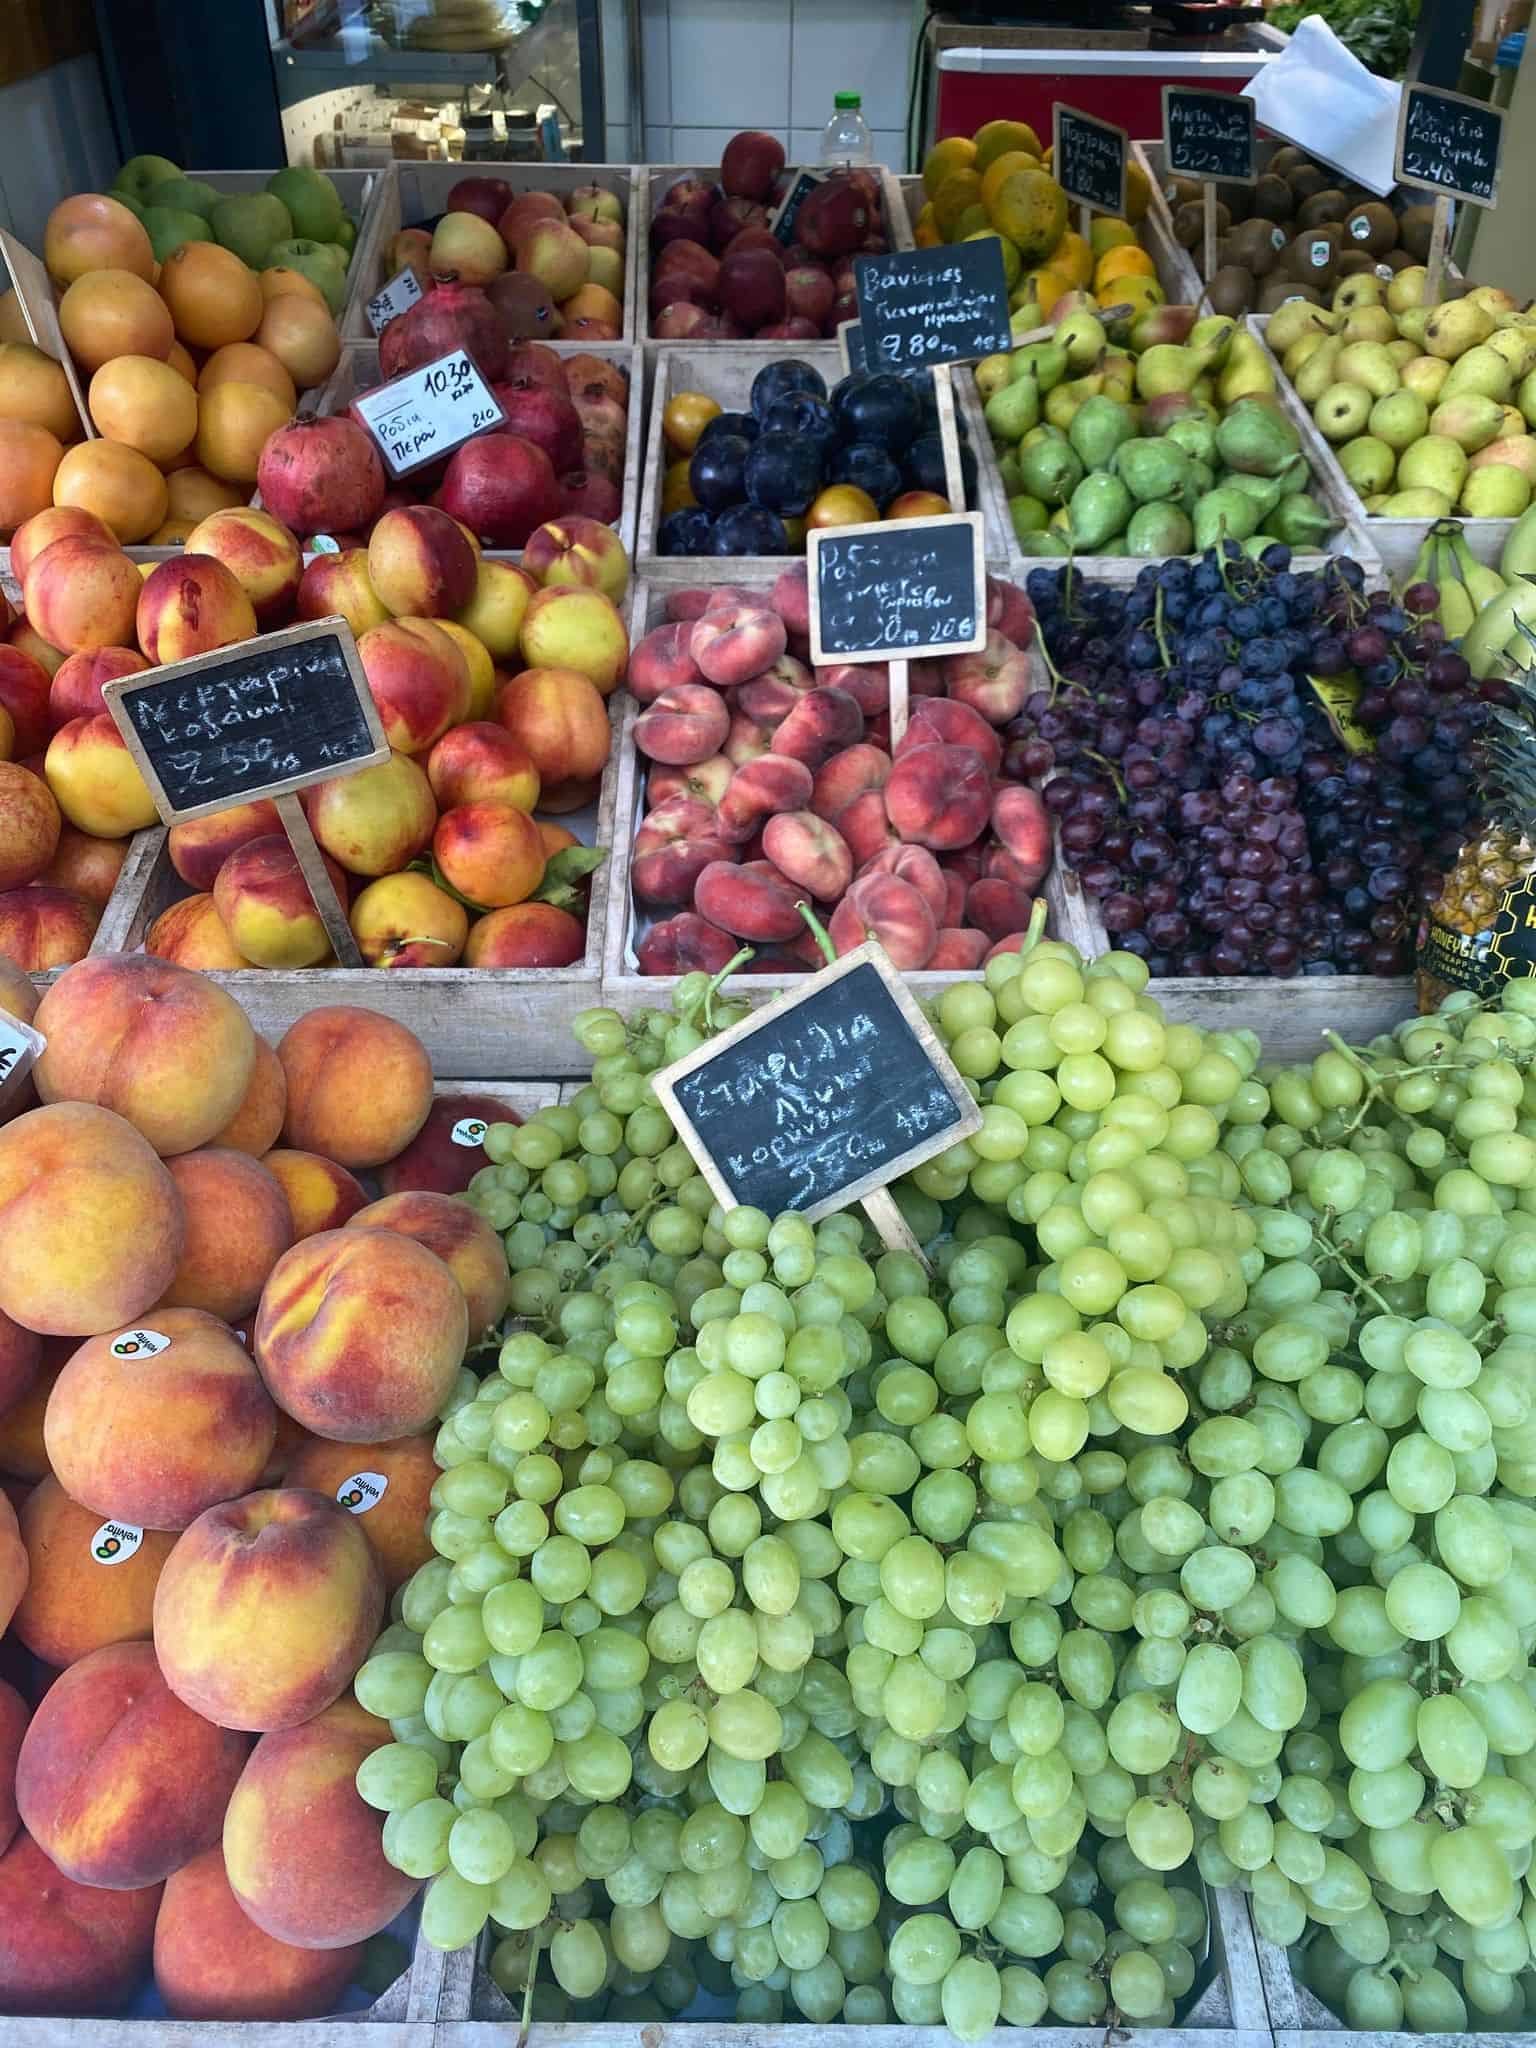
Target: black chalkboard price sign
{"x": 823, "y": 1098}
{"x": 850, "y": 340}
{"x": 1449, "y": 143}
{"x": 899, "y": 590}
{"x": 933, "y": 306}
{"x": 1088, "y": 160}
{"x": 1208, "y": 135}
{"x": 782, "y": 226}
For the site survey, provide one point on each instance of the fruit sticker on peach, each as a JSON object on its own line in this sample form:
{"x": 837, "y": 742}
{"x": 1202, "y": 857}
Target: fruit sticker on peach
{"x": 19, "y": 1047}
{"x": 139, "y": 1344}
{"x": 470, "y": 1131}
{"x": 116, "y": 1542}
{"x": 426, "y": 414}
{"x": 364, "y": 1490}
{"x": 397, "y": 297}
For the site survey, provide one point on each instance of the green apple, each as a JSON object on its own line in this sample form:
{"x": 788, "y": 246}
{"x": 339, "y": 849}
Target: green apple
{"x": 1399, "y": 419}
{"x": 345, "y": 236}
{"x": 311, "y": 199}
{"x": 142, "y": 173}
{"x": 251, "y": 226}
{"x": 1435, "y": 464}
{"x": 185, "y": 195}
{"x": 1342, "y": 412}
{"x": 1497, "y": 491}
{"x": 321, "y": 262}
{"x": 168, "y": 229}
{"x": 1368, "y": 463}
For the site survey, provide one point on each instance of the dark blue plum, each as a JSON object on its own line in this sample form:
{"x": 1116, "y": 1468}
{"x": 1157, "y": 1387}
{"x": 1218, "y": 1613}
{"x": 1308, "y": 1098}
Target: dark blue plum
{"x": 783, "y": 473}
{"x": 880, "y": 407}
{"x": 923, "y": 467}
{"x": 870, "y": 467}
{"x": 803, "y": 413}
{"x": 778, "y": 380}
{"x": 749, "y": 530}
{"x": 717, "y": 473}
{"x": 741, "y": 424}
{"x": 686, "y": 532}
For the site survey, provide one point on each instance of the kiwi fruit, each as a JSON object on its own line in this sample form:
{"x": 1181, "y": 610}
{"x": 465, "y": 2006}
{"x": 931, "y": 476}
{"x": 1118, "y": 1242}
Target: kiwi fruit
{"x": 1238, "y": 200}
{"x": 1322, "y": 206}
{"x": 1305, "y": 180}
{"x": 1313, "y": 257}
{"x": 1182, "y": 192}
{"x": 1272, "y": 198}
{"x": 1373, "y": 227}
{"x": 1232, "y": 290}
{"x": 1189, "y": 223}
{"x": 1252, "y": 246}
{"x": 1415, "y": 229}
{"x": 1288, "y": 158}
{"x": 1398, "y": 259}
{"x": 1275, "y": 291}
{"x": 1355, "y": 262}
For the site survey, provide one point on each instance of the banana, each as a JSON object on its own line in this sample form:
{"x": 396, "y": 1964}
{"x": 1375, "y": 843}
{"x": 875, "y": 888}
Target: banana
{"x": 1456, "y": 611}
{"x": 1483, "y": 584}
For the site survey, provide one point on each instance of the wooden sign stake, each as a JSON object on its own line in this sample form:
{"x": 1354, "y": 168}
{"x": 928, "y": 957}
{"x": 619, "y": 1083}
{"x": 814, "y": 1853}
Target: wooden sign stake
{"x": 1210, "y": 236}
{"x": 949, "y": 437}
{"x": 894, "y": 1230}
{"x": 1439, "y": 235}
{"x": 898, "y": 700}
{"x": 1085, "y": 222}
{"x": 318, "y": 882}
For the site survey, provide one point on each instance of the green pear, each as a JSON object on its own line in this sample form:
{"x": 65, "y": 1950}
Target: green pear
{"x": 1248, "y": 370}
{"x": 1024, "y": 319}
{"x": 251, "y": 225}
{"x": 1525, "y": 398}
{"x": 1159, "y": 530}
{"x": 1082, "y": 335}
{"x": 1517, "y": 345}
{"x": 1168, "y": 367}
{"x": 1398, "y": 420}
{"x": 1027, "y": 516}
{"x": 1008, "y": 472}
{"x": 1369, "y": 323}
{"x": 1368, "y": 462}
{"x": 168, "y": 229}
{"x": 1047, "y": 360}
{"x": 1481, "y": 369}
{"x": 1061, "y": 405}
{"x": 1288, "y": 323}
{"x": 1301, "y": 352}
{"x": 1433, "y": 464}
{"x": 1418, "y": 503}
{"x": 992, "y": 373}
{"x": 1101, "y": 508}
{"x": 1152, "y": 470}
{"x": 1213, "y": 337}
{"x": 1470, "y": 420}
{"x": 1497, "y": 492}
{"x": 1411, "y": 325}
{"x": 1225, "y": 514}
{"x": 1098, "y": 428}
{"x": 310, "y": 199}
{"x": 1426, "y": 375}
{"x": 1367, "y": 364}
{"x": 141, "y": 174}
{"x": 1406, "y": 291}
{"x": 1011, "y": 412}
{"x": 1318, "y": 371}
{"x": 1257, "y": 439}
{"x": 1300, "y": 521}
{"x": 1403, "y": 352}
{"x": 1050, "y": 470}
{"x": 185, "y": 195}
{"x": 1196, "y": 435}
{"x": 1343, "y": 411}
{"x": 1456, "y": 326}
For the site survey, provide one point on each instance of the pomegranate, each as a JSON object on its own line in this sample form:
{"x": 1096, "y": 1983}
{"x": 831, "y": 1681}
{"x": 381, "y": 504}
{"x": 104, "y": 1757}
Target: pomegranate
{"x": 321, "y": 476}
{"x": 588, "y": 492}
{"x": 452, "y": 315}
{"x": 589, "y": 376}
{"x": 530, "y": 362}
{"x": 501, "y": 487}
{"x": 546, "y": 417}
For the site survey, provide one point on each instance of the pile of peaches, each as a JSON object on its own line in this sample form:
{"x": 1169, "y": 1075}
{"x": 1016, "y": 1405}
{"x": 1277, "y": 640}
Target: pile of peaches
{"x": 490, "y": 681}
{"x": 221, "y": 1361}
{"x": 188, "y": 366}
{"x": 771, "y": 784}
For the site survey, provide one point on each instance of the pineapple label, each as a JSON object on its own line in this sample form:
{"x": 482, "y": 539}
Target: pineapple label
{"x": 1338, "y": 696}
{"x": 1505, "y": 950}
{"x": 116, "y": 1542}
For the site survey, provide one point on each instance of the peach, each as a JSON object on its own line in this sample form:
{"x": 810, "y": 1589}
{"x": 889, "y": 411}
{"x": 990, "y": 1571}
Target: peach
{"x": 260, "y": 554}
{"x": 883, "y": 907}
{"x": 145, "y": 405}
{"x": 42, "y": 928}
{"x": 674, "y": 845}
{"x": 820, "y": 725}
{"x": 161, "y": 1420}
{"x": 754, "y": 901}
{"x": 359, "y": 1085}
{"x": 21, "y": 1353}
{"x": 29, "y": 468}
{"x": 809, "y": 852}
{"x": 212, "y": 1962}
{"x": 559, "y": 719}
{"x": 1019, "y": 819}
{"x": 13, "y": 1725}
{"x": 337, "y": 586}
{"x": 735, "y": 642}
{"x": 321, "y": 1195}
{"x": 14, "y": 1568}
{"x": 497, "y": 606}
{"x": 866, "y": 826}
{"x": 191, "y": 606}
{"x": 576, "y": 629}
{"x": 376, "y": 821}
{"x": 265, "y": 1609}
{"x": 163, "y": 1047}
{"x": 758, "y": 789}
{"x": 386, "y": 1486}
{"x": 266, "y": 906}
{"x": 301, "y": 1848}
{"x": 200, "y": 847}
{"x": 118, "y": 484}
{"x": 867, "y": 683}
{"x": 770, "y": 697}
{"x": 29, "y": 826}
{"x": 994, "y": 681}
{"x": 114, "y": 313}
{"x": 82, "y": 594}
{"x": 94, "y": 1224}
{"x": 75, "y": 692}
{"x": 577, "y": 552}
{"x": 213, "y": 297}
{"x": 846, "y": 776}
{"x": 361, "y": 1334}
{"x": 465, "y": 1243}
{"x": 238, "y": 1227}
{"x": 449, "y": 1150}
{"x": 118, "y": 1782}
{"x": 302, "y": 336}
{"x": 685, "y": 944}
{"x": 421, "y": 563}
{"x": 68, "y": 1948}
{"x": 481, "y": 694}
{"x": 526, "y": 935}
{"x": 417, "y": 677}
{"x": 998, "y": 907}
{"x": 405, "y": 920}
{"x": 92, "y": 1581}
{"x": 958, "y": 950}
{"x": 20, "y": 636}
{"x": 686, "y": 723}
{"x": 58, "y": 522}
{"x": 96, "y": 781}
{"x": 490, "y": 852}
{"x": 482, "y": 760}
{"x": 949, "y": 722}
{"x": 916, "y": 865}
{"x": 707, "y": 780}
{"x": 939, "y": 795}
{"x": 93, "y": 231}
{"x": 256, "y": 1124}
{"x": 661, "y": 661}
{"x": 747, "y": 740}
{"x": 191, "y": 933}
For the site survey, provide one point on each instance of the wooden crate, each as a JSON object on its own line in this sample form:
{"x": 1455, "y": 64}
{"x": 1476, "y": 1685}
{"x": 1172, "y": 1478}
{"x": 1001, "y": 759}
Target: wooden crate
{"x": 358, "y": 370}
{"x": 660, "y": 177}
{"x": 726, "y": 372}
{"x": 413, "y": 192}
{"x": 1297, "y": 2017}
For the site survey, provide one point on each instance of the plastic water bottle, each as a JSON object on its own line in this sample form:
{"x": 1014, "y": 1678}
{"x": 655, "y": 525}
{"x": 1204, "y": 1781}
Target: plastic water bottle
{"x": 846, "y": 138}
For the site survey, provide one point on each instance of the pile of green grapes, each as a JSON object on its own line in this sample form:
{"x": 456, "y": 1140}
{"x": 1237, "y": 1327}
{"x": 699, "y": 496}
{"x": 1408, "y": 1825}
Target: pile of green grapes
{"x": 814, "y": 1634}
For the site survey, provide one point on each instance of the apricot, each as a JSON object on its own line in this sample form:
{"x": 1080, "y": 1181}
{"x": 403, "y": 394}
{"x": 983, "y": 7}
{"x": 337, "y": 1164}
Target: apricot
{"x": 214, "y": 299}
{"x": 212, "y": 1962}
{"x": 163, "y": 1047}
{"x": 145, "y": 405}
{"x": 191, "y": 933}
{"x": 359, "y": 1085}
{"x": 244, "y": 362}
{"x": 92, "y": 231}
{"x": 121, "y": 486}
{"x": 465, "y": 1243}
{"x": 321, "y": 1195}
{"x": 265, "y": 1609}
{"x": 92, "y": 1580}
{"x": 386, "y": 1486}
{"x": 235, "y": 422}
{"x": 68, "y": 1948}
{"x": 256, "y": 1124}
{"x": 238, "y": 1227}
{"x": 34, "y": 389}
{"x": 302, "y": 337}
{"x": 29, "y": 465}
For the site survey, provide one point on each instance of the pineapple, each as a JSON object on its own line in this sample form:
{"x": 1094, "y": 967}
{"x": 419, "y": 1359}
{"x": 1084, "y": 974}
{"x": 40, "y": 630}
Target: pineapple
{"x": 1481, "y": 930}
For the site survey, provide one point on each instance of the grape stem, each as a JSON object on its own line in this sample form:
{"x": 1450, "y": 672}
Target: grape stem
{"x": 533, "y": 1970}
{"x": 1058, "y": 680}
{"x": 1157, "y": 628}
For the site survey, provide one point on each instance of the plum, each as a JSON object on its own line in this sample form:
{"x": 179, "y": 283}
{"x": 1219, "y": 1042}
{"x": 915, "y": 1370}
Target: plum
{"x": 717, "y": 471}
{"x": 749, "y": 530}
{"x": 783, "y": 473}
{"x": 686, "y": 532}
{"x": 869, "y": 467}
{"x": 781, "y": 380}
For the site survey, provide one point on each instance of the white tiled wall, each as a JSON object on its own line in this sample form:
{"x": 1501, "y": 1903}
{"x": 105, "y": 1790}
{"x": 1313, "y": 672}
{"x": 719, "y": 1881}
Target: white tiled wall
{"x": 715, "y": 66}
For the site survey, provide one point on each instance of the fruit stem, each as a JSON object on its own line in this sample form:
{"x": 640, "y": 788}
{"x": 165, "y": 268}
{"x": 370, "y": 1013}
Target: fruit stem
{"x": 819, "y": 933}
{"x": 736, "y": 960}
{"x": 1157, "y": 628}
{"x": 1034, "y": 931}
{"x": 533, "y": 1971}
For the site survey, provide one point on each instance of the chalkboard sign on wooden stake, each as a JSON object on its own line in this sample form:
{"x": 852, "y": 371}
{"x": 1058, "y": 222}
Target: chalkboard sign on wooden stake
{"x": 1088, "y": 159}
{"x": 845, "y": 1072}
{"x": 850, "y": 342}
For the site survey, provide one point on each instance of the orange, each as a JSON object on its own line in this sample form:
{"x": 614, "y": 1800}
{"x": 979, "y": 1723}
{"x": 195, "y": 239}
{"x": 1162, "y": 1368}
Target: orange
{"x": 954, "y": 153}
{"x": 1128, "y": 260}
{"x": 1073, "y": 259}
{"x": 1001, "y": 166}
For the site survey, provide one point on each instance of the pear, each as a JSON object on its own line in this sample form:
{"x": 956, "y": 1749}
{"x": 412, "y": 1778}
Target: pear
{"x": 1249, "y": 370}
{"x": 1061, "y": 405}
{"x": 1152, "y": 470}
{"x": 1397, "y": 421}
{"x": 1050, "y": 471}
{"x": 1525, "y": 398}
{"x": 1196, "y": 436}
{"x": 1497, "y": 492}
{"x": 1376, "y": 503}
{"x": 992, "y": 373}
{"x": 1481, "y": 369}
{"x": 1318, "y": 371}
{"x": 1343, "y": 411}
{"x": 1407, "y": 288}
{"x": 1426, "y": 375}
{"x": 1257, "y": 440}
{"x": 1364, "y": 289}
{"x": 1047, "y": 360}
{"x": 1514, "y": 421}
{"x": 1470, "y": 420}
{"x": 1493, "y": 299}
{"x": 1098, "y": 428}
{"x": 1525, "y": 319}
{"x": 1159, "y": 414}
{"x": 1411, "y": 325}
{"x": 1437, "y": 464}
{"x": 1012, "y": 411}
{"x": 1204, "y": 388}
{"x": 1367, "y": 364}
{"x": 1168, "y": 367}
{"x": 1213, "y": 337}
{"x": 1294, "y": 319}
{"x": 1518, "y": 451}
{"x": 1027, "y": 516}
{"x": 1517, "y": 345}
{"x": 1161, "y": 324}
{"x": 1008, "y": 472}
{"x": 1101, "y": 508}
{"x": 1159, "y": 530}
{"x": 1369, "y": 323}
{"x": 1025, "y": 319}
{"x": 1403, "y": 353}
{"x": 1119, "y": 376}
{"x": 1455, "y": 327}
{"x": 1368, "y": 462}
{"x": 1301, "y": 352}
{"x": 1225, "y": 514}
{"x": 1300, "y": 521}
{"x": 1419, "y": 502}
{"x": 1082, "y": 335}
